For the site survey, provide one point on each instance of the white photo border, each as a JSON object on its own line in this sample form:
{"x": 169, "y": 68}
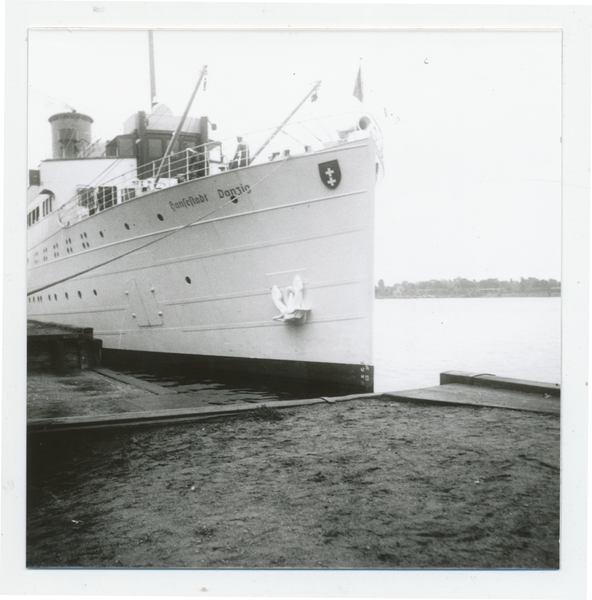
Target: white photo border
{"x": 567, "y": 582}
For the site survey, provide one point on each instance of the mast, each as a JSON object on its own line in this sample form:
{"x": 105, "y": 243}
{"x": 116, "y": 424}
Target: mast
{"x": 152, "y": 71}
{"x": 279, "y": 127}
{"x": 202, "y": 74}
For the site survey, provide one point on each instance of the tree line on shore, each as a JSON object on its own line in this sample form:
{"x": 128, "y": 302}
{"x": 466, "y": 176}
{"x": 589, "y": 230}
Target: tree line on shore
{"x": 464, "y": 288}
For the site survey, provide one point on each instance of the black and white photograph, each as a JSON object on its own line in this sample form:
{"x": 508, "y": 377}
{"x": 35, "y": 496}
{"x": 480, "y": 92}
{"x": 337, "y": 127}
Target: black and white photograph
{"x": 294, "y": 299}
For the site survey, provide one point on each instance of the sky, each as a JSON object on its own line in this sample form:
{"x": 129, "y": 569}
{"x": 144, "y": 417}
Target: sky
{"x": 471, "y": 124}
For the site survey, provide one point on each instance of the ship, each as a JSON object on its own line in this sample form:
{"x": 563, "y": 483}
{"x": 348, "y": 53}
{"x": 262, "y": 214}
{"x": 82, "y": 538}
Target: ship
{"x": 179, "y": 248}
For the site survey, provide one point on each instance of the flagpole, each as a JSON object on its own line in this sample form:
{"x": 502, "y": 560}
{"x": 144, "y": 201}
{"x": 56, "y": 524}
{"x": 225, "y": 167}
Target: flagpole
{"x": 152, "y": 70}
{"x": 358, "y": 88}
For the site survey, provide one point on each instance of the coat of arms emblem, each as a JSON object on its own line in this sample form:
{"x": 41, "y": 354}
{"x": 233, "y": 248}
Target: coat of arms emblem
{"x": 330, "y": 173}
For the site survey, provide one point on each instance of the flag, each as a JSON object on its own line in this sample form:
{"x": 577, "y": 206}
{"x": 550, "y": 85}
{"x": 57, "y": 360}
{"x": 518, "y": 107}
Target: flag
{"x": 358, "y": 92}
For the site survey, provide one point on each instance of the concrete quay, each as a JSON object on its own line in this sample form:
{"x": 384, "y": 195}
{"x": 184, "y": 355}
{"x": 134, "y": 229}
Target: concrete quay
{"x": 100, "y": 398}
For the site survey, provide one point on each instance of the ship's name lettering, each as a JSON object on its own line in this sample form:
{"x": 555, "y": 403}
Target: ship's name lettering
{"x": 189, "y": 201}
{"x": 234, "y": 192}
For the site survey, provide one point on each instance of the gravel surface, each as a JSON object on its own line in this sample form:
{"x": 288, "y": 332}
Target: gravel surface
{"x": 368, "y": 484}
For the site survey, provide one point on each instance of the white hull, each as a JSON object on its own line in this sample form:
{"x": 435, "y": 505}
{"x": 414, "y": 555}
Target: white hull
{"x": 194, "y": 277}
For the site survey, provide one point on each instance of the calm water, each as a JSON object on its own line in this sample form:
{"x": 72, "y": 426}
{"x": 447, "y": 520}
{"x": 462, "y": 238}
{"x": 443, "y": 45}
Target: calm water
{"x": 417, "y": 339}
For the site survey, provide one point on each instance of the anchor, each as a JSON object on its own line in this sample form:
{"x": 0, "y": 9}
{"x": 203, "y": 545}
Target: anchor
{"x": 289, "y": 302}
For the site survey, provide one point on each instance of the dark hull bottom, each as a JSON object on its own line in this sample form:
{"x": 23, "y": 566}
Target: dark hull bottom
{"x": 291, "y": 378}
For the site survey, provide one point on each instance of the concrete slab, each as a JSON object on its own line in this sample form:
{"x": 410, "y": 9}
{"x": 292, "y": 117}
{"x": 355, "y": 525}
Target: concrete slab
{"x": 471, "y": 395}
{"x": 501, "y": 383}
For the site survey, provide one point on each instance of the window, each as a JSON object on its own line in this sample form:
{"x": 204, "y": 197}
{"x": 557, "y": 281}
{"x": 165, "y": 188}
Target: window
{"x": 128, "y": 194}
{"x": 106, "y": 197}
{"x": 125, "y": 147}
{"x": 155, "y": 148}
{"x": 47, "y": 205}
{"x": 45, "y": 208}
{"x": 34, "y": 177}
{"x": 33, "y": 217}
{"x": 86, "y": 198}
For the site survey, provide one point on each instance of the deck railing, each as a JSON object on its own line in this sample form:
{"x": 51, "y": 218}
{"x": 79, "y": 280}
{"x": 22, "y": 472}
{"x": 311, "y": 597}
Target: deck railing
{"x": 207, "y": 159}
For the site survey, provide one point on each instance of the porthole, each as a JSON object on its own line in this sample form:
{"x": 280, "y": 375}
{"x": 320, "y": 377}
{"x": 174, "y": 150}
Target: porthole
{"x": 160, "y": 217}
{"x": 101, "y": 234}
{"x": 95, "y": 292}
{"x": 55, "y": 296}
{"x": 29, "y": 299}
{"x": 188, "y": 279}
{"x": 33, "y": 299}
{"x": 81, "y": 237}
{"x": 79, "y": 294}
{"x": 49, "y": 297}
{"x": 67, "y": 296}
{"x": 85, "y": 236}
{"x": 126, "y": 226}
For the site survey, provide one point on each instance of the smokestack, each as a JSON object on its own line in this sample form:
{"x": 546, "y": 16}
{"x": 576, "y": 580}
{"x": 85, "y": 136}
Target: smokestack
{"x": 71, "y": 134}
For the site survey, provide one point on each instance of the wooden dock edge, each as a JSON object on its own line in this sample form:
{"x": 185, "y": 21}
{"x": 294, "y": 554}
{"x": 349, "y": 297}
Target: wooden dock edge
{"x": 500, "y": 383}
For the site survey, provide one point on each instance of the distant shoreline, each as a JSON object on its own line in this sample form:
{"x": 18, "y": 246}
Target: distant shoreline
{"x": 463, "y": 288}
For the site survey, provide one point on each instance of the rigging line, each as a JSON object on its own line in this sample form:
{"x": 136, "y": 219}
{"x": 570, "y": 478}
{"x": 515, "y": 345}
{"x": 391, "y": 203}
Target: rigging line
{"x": 232, "y": 200}
{"x": 297, "y": 140}
{"x": 70, "y": 203}
{"x": 105, "y": 171}
{"x": 70, "y": 206}
{"x": 311, "y": 132}
{"x": 124, "y": 176}
{"x": 125, "y": 253}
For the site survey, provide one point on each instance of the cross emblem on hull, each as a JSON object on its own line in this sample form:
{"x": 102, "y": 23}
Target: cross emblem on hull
{"x": 330, "y": 173}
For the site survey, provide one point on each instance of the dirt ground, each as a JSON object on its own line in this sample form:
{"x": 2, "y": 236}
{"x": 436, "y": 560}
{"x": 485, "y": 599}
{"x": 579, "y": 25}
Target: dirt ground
{"x": 370, "y": 484}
